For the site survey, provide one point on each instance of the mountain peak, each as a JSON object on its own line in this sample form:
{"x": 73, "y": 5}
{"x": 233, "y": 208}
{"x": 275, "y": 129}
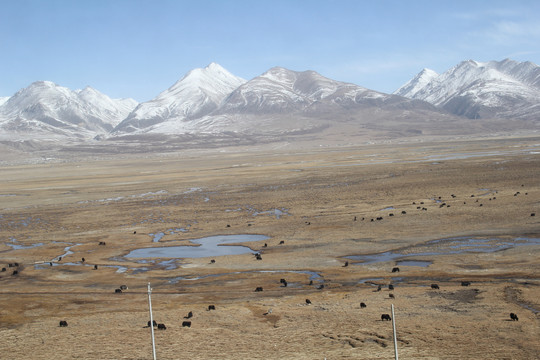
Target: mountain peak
{"x": 417, "y": 83}
{"x": 506, "y": 89}
{"x": 213, "y": 66}
{"x": 196, "y": 94}
{"x": 62, "y": 110}
{"x": 43, "y": 83}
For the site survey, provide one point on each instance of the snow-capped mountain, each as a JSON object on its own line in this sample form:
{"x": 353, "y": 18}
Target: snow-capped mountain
{"x": 281, "y": 90}
{"x": 279, "y": 102}
{"x": 505, "y": 89}
{"x": 421, "y": 80}
{"x": 211, "y": 106}
{"x": 198, "y": 93}
{"x": 3, "y": 99}
{"x": 47, "y": 108}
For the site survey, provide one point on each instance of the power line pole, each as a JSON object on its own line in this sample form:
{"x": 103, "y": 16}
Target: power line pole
{"x": 394, "y": 329}
{"x": 151, "y": 321}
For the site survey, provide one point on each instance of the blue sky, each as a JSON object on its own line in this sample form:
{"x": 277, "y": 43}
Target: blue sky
{"x": 135, "y": 48}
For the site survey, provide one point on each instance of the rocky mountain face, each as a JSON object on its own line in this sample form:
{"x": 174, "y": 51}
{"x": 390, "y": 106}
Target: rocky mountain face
{"x": 505, "y": 89}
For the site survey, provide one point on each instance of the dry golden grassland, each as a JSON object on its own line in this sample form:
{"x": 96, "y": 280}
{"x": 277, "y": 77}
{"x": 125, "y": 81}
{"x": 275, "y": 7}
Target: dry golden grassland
{"x": 485, "y": 190}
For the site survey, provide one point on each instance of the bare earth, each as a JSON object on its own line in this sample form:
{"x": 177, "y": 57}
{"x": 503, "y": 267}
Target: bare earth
{"x": 477, "y": 197}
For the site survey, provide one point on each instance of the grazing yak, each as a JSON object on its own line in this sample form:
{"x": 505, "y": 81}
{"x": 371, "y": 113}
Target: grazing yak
{"x": 395, "y": 269}
{"x": 211, "y": 307}
{"x": 308, "y": 302}
{"x": 435, "y": 286}
{"x": 363, "y": 305}
{"x": 385, "y": 317}
{"x": 258, "y": 288}
{"x": 153, "y": 322}
{"x": 390, "y": 287}
{"x": 186, "y": 323}
{"x": 118, "y": 291}
{"x": 189, "y": 315}
{"x": 63, "y": 323}
{"x": 514, "y": 317}
{"x": 161, "y": 327}
{"x": 465, "y": 283}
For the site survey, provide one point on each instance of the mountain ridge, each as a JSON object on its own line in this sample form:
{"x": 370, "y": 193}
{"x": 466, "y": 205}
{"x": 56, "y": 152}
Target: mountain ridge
{"x": 281, "y": 103}
{"x": 199, "y": 92}
{"x": 494, "y": 89}
{"x": 45, "y": 107}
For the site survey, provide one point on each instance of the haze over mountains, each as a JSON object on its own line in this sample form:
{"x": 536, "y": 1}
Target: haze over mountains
{"x": 280, "y": 103}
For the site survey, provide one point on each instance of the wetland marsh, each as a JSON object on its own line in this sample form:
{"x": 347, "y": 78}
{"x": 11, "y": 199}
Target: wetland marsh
{"x": 78, "y": 229}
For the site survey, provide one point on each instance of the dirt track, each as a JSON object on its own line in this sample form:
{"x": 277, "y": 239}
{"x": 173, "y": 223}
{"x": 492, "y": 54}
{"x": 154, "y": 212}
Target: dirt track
{"x": 489, "y": 189}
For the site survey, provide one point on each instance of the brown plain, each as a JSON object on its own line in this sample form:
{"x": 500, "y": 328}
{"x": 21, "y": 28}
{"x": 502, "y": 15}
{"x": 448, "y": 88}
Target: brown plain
{"x": 490, "y": 188}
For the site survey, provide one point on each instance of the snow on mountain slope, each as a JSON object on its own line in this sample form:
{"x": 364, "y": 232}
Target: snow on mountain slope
{"x": 280, "y": 101}
{"x": 3, "y": 99}
{"x": 112, "y": 111}
{"x": 417, "y": 83}
{"x": 198, "y": 93}
{"x": 46, "y": 107}
{"x": 481, "y": 89}
{"x": 281, "y": 90}
{"x": 271, "y": 92}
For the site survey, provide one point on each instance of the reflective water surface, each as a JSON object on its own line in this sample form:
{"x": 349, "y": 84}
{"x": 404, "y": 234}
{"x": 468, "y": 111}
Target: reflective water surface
{"x": 205, "y": 247}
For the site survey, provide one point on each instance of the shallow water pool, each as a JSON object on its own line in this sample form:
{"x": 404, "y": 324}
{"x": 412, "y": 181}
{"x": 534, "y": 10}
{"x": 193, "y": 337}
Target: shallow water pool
{"x": 210, "y": 246}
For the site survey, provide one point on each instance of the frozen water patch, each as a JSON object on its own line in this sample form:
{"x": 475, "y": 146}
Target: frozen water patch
{"x": 450, "y": 246}
{"x": 205, "y": 247}
{"x": 278, "y": 213}
{"x": 158, "y": 236}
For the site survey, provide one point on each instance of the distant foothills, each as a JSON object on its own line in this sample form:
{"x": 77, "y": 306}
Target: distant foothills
{"x": 211, "y": 100}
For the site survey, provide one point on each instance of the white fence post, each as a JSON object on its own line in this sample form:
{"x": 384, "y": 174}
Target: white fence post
{"x": 394, "y": 329}
{"x": 151, "y": 321}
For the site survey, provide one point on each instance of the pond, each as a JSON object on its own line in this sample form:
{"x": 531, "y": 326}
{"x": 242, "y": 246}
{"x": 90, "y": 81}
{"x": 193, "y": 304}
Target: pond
{"x": 450, "y": 246}
{"x": 205, "y": 247}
